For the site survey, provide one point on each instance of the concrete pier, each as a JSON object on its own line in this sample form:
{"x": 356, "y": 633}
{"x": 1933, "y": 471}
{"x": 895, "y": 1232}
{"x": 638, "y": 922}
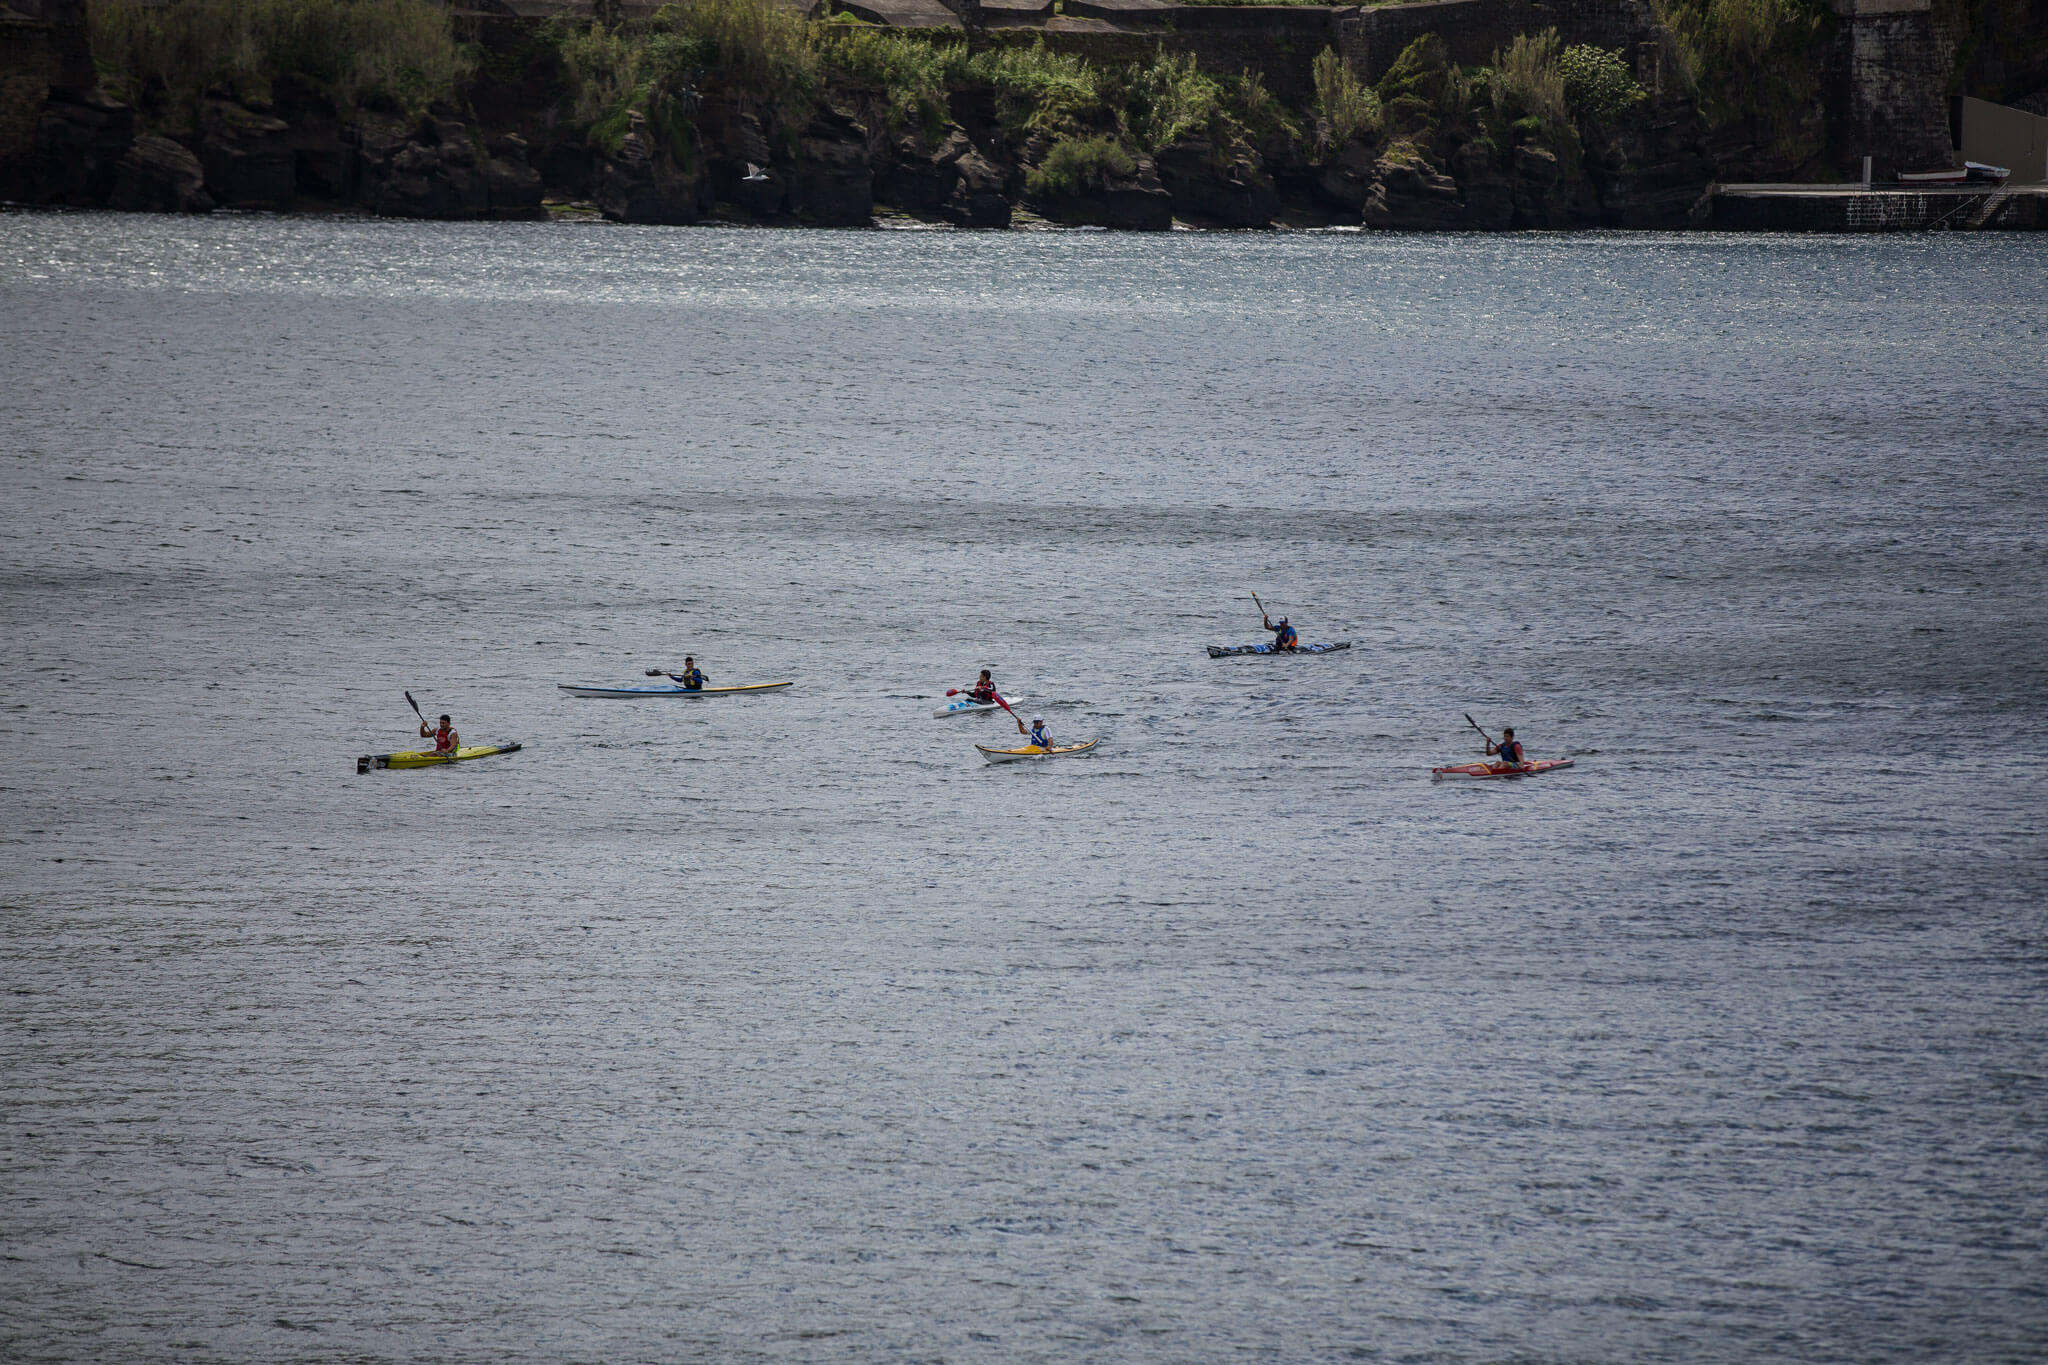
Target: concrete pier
{"x": 1880, "y": 208}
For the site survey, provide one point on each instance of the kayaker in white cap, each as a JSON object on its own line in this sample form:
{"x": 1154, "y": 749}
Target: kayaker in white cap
{"x": 1283, "y": 634}
{"x": 1038, "y": 734}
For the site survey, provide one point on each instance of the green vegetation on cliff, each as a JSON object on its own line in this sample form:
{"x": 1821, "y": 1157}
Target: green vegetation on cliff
{"x": 1075, "y": 162}
{"x": 1346, "y": 106}
{"x": 1755, "y": 61}
{"x": 395, "y": 54}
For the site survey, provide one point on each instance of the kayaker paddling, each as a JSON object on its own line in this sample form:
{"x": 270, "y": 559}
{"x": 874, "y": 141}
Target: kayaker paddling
{"x": 446, "y": 741}
{"x": 1039, "y": 736}
{"x": 1509, "y": 751}
{"x": 984, "y": 689}
{"x": 1284, "y": 636}
{"x": 692, "y": 677}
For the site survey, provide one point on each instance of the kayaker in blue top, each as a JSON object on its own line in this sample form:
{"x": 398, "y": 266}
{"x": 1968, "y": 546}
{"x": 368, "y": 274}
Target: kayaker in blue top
{"x": 1038, "y": 733}
{"x": 1509, "y": 748}
{"x": 692, "y": 677}
{"x": 1283, "y": 634}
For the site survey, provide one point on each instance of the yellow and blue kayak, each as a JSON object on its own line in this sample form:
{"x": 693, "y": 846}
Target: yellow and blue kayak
{"x": 427, "y": 758}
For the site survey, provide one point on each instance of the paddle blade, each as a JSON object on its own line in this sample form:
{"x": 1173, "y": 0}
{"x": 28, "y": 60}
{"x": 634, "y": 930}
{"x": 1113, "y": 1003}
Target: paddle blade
{"x": 415, "y": 708}
{"x": 952, "y": 691}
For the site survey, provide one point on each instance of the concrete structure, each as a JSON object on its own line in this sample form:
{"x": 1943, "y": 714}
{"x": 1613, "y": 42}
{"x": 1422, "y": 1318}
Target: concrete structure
{"x": 1852, "y": 208}
{"x": 1999, "y": 135}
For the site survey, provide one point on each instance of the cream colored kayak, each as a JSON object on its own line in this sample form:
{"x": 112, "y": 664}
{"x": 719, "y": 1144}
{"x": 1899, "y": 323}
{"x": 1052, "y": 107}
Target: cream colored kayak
{"x": 1034, "y": 751}
{"x": 666, "y": 690}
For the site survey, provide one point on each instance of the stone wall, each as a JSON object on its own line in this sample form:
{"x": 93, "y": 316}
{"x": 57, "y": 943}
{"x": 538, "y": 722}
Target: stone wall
{"x": 1889, "y": 96}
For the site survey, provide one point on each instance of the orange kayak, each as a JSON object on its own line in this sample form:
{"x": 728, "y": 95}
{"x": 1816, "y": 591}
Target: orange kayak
{"x": 1541, "y": 765}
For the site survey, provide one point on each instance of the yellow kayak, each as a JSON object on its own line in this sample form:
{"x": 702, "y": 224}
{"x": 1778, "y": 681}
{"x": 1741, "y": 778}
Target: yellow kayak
{"x": 1034, "y": 751}
{"x": 427, "y": 758}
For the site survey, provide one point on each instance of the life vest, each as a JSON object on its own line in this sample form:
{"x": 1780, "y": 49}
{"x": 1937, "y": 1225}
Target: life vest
{"x": 445, "y": 741}
{"x": 1511, "y": 752}
{"x": 1040, "y": 737}
{"x": 1284, "y": 637}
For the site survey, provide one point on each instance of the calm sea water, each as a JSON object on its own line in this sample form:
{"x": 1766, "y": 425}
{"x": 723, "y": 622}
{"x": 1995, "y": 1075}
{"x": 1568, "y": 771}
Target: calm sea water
{"x": 784, "y": 1028}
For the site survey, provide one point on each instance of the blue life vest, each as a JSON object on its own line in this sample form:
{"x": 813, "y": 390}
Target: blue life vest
{"x": 1040, "y": 737}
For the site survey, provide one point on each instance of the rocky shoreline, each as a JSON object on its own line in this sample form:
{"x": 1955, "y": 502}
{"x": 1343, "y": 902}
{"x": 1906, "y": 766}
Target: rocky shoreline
{"x": 1435, "y": 157}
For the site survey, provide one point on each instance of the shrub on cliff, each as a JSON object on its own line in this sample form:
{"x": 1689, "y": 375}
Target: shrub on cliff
{"x": 1423, "y": 91}
{"x": 1345, "y": 107}
{"x": 1039, "y": 90}
{"x": 652, "y": 68}
{"x": 164, "y": 58}
{"x": 913, "y": 72}
{"x": 1526, "y": 82}
{"x": 1172, "y": 99}
{"x": 1073, "y": 164}
{"x": 1757, "y": 60}
{"x": 1598, "y": 82}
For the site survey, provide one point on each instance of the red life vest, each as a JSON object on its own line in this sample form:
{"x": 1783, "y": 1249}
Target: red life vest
{"x": 444, "y": 741}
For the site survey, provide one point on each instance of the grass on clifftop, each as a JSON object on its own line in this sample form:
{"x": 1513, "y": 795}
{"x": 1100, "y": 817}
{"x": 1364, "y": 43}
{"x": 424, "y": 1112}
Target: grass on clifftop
{"x": 1754, "y": 59}
{"x": 400, "y": 54}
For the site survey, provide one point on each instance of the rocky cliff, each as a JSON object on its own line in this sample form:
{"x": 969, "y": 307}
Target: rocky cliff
{"x": 1441, "y": 115}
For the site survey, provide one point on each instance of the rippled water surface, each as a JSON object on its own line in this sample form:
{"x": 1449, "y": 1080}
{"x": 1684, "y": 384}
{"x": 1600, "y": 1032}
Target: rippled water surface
{"x": 785, "y": 1028}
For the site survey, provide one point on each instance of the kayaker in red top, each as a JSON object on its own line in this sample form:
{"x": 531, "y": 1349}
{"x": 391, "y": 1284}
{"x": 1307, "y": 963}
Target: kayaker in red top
{"x": 446, "y": 741}
{"x": 1509, "y": 749}
{"x": 984, "y": 689}
{"x": 1283, "y": 634}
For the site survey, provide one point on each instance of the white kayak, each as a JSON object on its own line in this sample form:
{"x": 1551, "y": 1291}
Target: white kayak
{"x": 960, "y": 706}
{"x": 668, "y": 690}
{"x": 1034, "y": 751}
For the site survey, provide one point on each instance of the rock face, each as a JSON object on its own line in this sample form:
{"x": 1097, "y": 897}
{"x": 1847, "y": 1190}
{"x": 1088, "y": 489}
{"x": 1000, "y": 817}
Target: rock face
{"x": 1209, "y": 189}
{"x": 1410, "y": 195}
{"x": 641, "y": 182}
{"x": 948, "y": 179}
{"x": 1653, "y": 173}
{"x": 511, "y": 183}
{"x": 247, "y": 156}
{"x": 1137, "y": 201}
{"x": 916, "y": 176}
{"x": 832, "y": 185}
{"x": 980, "y": 199}
{"x": 158, "y": 175}
{"x": 430, "y": 170}
{"x": 80, "y": 139}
